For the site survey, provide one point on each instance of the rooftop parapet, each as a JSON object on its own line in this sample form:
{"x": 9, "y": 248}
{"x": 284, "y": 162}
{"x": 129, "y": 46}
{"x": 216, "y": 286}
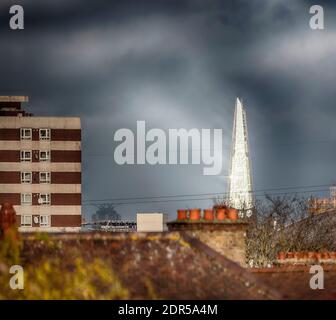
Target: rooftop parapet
{"x": 14, "y": 99}
{"x": 10, "y": 106}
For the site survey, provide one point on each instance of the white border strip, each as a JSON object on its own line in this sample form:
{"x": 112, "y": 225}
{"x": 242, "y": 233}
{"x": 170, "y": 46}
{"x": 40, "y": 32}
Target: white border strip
{"x": 41, "y": 166}
{"x": 48, "y": 210}
{"x": 40, "y": 145}
{"x": 40, "y": 122}
{"x": 38, "y": 188}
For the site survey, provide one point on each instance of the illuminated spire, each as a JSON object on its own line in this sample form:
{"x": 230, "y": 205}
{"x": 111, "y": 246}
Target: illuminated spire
{"x": 240, "y": 181}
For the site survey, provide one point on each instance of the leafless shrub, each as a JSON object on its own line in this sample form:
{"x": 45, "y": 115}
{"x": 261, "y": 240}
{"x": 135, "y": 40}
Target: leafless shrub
{"x": 286, "y": 224}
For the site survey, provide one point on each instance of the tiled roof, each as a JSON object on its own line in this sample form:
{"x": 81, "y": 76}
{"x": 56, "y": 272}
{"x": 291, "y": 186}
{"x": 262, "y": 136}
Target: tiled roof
{"x": 293, "y": 281}
{"x": 174, "y": 266}
{"x": 161, "y": 265}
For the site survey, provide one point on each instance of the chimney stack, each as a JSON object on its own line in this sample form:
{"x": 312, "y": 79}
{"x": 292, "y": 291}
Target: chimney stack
{"x": 220, "y": 228}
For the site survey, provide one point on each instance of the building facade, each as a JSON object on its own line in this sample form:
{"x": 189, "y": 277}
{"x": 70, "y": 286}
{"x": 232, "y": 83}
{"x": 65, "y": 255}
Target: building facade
{"x": 240, "y": 179}
{"x": 40, "y": 168}
{"x": 323, "y": 205}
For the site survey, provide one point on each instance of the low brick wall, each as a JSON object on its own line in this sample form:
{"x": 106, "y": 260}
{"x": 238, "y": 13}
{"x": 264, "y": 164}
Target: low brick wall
{"x": 225, "y": 237}
{"x": 306, "y": 258}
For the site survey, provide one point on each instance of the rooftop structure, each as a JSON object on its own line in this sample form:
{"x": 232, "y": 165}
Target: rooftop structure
{"x": 14, "y": 99}
{"x": 110, "y": 226}
{"x": 151, "y": 222}
{"x": 10, "y": 106}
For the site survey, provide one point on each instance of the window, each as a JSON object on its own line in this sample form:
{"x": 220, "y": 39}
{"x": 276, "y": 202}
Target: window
{"x": 44, "y": 177}
{"x": 26, "y": 198}
{"x": 26, "y": 133}
{"x": 26, "y": 177}
{"x": 45, "y": 155}
{"x": 44, "y": 221}
{"x": 44, "y": 198}
{"x": 44, "y": 134}
{"x": 26, "y": 220}
{"x": 26, "y": 156}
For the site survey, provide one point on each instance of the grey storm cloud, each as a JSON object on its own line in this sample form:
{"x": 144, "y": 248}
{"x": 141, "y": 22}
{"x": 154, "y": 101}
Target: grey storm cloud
{"x": 180, "y": 64}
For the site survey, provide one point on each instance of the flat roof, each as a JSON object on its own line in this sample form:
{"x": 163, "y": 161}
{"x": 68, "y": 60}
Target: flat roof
{"x": 14, "y": 99}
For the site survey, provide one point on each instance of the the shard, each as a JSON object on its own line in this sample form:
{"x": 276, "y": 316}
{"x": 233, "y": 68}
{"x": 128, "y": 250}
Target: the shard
{"x": 240, "y": 180}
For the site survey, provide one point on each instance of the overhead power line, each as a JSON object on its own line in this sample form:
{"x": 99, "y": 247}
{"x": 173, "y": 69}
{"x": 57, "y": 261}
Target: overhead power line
{"x": 206, "y": 196}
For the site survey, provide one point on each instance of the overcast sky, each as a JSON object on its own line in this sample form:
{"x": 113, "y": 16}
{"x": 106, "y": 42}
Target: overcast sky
{"x": 180, "y": 64}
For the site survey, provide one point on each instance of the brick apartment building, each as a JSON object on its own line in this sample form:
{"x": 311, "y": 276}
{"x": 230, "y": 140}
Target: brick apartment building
{"x": 40, "y": 168}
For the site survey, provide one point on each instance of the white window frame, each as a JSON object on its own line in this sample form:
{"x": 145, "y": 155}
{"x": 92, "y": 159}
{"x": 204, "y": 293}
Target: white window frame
{"x": 23, "y": 157}
{"x": 47, "y": 159}
{"x": 26, "y": 220}
{"x": 23, "y": 135}
{"x": 47, "y": 136}
{"x": 47, "y": 199}
{"x": 48, "y": 177}
{"x": 23, "y": 178}
{"x": 24, "y": 200}
{"x": 44, "y": 224}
